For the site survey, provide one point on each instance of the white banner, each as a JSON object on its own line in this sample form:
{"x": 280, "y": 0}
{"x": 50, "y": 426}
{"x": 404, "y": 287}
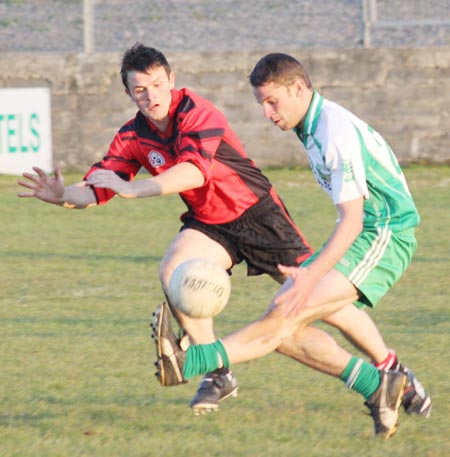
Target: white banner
{"x": 25, "y": 130}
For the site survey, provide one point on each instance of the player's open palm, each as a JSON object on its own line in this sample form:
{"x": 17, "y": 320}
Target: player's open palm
{"x": 47, "y": 188}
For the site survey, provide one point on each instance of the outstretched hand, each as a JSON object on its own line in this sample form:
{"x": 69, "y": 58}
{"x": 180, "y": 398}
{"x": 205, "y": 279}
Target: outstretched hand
{"x": 47, "y": 188}
{"x": 293, "y": 299}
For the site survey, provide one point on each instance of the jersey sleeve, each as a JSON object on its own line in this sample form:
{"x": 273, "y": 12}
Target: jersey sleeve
{"x": 201, "y": 133}
{"x": 344, "y": 159}
{"x": 120, "y": 159}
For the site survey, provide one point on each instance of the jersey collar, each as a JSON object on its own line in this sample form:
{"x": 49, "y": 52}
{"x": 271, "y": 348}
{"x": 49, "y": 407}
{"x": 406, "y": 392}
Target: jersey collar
{"x": 177, "y": 96}
{"x": 309, "y": 125}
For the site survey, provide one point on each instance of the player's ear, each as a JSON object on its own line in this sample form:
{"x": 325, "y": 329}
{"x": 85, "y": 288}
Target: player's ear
{"x": 172, "y": 79}
{"x": 300, "y": 87}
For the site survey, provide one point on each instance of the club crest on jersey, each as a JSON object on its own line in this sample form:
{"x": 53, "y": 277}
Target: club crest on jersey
{"x": 156, "y": 159}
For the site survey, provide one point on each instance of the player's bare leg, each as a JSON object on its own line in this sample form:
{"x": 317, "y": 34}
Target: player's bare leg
{"x": 189, "y": 244}
{"x": 221, "y": 383}
{"x": 316, "y": 349}
{"x": 357, "y": 326}
{"x": 265, "y": 335}
{"x": 383, "y": 391}
{"x": 360, "y": 330}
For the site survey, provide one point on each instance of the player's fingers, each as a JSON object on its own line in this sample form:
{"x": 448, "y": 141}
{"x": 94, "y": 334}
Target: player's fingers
{"x": 284, "y": 297}
{"x": 40, "y": 172}
{"x": 287, "y": 270}
{"x": 58, "y": 174}
{"x": 289, "y": 306}
{"x": 92, "y": 180}
{"x": 26, "y": 184}
{"x": 295, "y": 307}
{"x": 92, "y": 176}
{"x": 25, "y": 194}
{"x": 36, "y": 179}
{"x": 101, "y": 174}
{"x": 30, "y": 176}
{"x": 290, "y": 302}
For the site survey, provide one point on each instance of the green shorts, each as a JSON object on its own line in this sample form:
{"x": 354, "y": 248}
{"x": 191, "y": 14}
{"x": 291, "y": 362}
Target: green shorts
{"x": 375, "y": 262}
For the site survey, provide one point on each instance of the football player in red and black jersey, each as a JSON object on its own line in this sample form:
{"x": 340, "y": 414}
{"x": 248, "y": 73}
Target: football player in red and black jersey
{"x": 187, "y": 146}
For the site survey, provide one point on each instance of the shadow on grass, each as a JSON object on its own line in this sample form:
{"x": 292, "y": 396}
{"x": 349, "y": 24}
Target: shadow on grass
{"x": 25, "y": 418}
{"x": 99, "y": 257}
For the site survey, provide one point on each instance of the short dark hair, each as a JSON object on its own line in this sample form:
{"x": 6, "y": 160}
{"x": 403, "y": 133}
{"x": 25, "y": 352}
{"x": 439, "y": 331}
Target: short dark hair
{"x": 278, "y": 68}
{"x": 141, "y": 58}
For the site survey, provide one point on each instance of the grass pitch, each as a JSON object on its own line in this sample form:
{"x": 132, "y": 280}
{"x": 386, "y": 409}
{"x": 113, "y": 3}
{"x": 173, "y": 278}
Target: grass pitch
{"x": 77, "y": 292}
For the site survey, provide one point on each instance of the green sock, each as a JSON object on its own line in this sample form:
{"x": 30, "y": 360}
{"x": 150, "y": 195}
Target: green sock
{"x": 361, "y": 376}
{"x": 202, "y": 358}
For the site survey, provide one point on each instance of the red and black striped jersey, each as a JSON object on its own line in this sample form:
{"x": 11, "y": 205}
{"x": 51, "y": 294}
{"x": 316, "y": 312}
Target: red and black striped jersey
{"x": 198, "y": 133}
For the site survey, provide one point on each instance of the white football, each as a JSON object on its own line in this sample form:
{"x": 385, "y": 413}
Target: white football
{"x": 199, "y": 288}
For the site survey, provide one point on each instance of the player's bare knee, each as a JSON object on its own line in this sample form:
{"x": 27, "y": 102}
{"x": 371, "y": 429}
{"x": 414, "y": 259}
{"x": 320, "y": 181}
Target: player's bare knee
{"x": 165, "y": 272}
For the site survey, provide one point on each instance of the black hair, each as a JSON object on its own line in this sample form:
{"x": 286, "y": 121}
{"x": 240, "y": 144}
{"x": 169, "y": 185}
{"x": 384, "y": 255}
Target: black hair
{"x": 141, "y": 58}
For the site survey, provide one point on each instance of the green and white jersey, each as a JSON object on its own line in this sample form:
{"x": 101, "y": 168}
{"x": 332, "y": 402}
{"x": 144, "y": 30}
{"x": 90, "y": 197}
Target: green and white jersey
{"x": 350, "y": 159}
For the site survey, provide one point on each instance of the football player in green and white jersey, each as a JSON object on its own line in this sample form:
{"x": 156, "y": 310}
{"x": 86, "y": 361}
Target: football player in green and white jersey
{"x": 368, "y": 251}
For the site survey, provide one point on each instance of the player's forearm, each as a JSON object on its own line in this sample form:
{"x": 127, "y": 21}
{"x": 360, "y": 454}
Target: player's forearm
{"x": 140, "y": 188}
{"x": 344, "y": 234}
{"x": 180, "y": 178}
{"x": 77, "y": 196}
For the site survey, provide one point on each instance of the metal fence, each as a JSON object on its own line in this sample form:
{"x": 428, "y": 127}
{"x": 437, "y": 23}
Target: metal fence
{"x": 406, "y": 23}
{"x": 225, "y": 25}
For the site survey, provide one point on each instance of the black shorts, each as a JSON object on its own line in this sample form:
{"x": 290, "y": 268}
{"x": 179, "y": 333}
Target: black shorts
{"x": 264, "y": 236}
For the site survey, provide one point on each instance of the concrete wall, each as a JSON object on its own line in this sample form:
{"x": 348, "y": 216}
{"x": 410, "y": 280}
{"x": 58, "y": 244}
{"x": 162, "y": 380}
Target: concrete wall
{"x": 403, "y": 93}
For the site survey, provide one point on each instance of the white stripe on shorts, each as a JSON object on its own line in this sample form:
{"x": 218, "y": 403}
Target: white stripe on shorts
{"x": 371, "y": 258}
